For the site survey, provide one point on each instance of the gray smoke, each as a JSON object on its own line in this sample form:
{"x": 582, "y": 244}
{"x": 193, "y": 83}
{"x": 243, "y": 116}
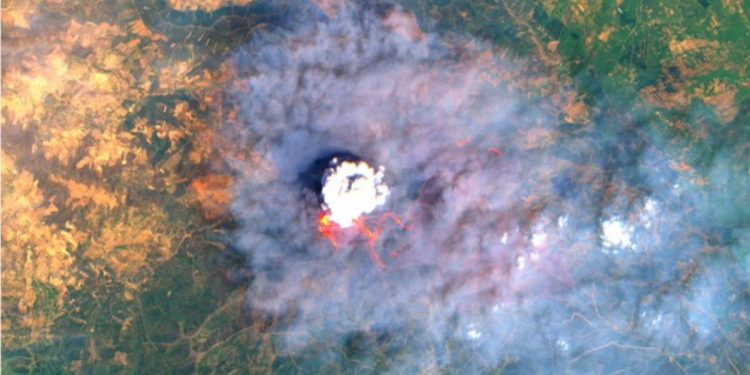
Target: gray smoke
{"x": 529, "y": 248}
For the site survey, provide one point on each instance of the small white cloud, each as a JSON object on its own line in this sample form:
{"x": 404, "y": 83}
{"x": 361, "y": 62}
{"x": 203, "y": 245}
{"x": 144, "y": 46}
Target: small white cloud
{"x": 473, "y": 333}
{"x": 521, "y": 262}
{"x": 539, "y": 239}
{"x": 648, "y": 212}
{"x": 656, "y": 321}
{"x": 616, "y": 233}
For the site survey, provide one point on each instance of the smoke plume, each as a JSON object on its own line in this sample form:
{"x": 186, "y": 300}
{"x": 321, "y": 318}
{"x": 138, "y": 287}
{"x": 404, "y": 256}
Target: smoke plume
{"x": 526, "y": 246}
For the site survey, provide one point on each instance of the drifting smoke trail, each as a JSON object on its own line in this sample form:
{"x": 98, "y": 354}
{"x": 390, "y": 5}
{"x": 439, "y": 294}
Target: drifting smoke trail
{"x": 528, "y": 249}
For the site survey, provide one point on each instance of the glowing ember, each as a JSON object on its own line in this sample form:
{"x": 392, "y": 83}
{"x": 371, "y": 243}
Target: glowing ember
{"x": 352, "y": 189}
{"x": 372, "y": 236}
{"x": 328, "y": 229}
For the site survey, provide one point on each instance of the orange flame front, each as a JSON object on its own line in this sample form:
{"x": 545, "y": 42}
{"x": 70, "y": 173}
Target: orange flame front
{"x": 372, "y": 236}
{"x": 330, "y": 230}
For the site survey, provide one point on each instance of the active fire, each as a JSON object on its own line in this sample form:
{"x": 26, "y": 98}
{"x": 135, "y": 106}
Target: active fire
{"x": 351, "y": 190}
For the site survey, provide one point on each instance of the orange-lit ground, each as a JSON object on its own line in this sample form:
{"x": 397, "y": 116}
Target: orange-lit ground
{"x": 332, "y": 231}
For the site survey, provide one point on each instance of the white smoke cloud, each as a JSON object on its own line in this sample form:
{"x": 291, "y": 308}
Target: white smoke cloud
{"x": 510, "y": 249}
{"x": 352, "y": 189}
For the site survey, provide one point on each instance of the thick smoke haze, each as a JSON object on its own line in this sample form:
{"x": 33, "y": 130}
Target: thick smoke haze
{"x": 529, "y": 247}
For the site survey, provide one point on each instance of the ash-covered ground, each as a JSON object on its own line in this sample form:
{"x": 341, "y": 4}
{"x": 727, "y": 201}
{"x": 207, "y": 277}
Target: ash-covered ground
{"x": 529, "y": 246}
